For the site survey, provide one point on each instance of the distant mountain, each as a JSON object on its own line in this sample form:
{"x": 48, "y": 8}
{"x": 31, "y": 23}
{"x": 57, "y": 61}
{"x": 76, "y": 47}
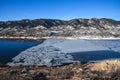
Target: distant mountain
{"x": 80, "y": 27}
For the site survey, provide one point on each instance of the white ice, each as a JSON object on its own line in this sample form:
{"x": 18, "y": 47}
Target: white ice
{"x": 54, "y": 52}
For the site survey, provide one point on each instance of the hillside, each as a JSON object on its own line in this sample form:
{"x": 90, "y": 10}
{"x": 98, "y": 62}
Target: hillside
{"x": 80, "y": 27}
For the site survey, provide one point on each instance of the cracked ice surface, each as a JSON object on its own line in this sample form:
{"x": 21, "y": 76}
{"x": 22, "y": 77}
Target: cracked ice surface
{"x": 43, "y": 54}
{"x": 54, "y": 52}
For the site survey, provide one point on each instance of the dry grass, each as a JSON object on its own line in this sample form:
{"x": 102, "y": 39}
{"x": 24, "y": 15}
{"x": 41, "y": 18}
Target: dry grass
{"x": 97, "y": 71}
{"x": 109, "y": 65}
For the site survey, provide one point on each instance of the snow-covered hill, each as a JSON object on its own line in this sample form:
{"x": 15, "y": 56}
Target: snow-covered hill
{"x": 72, "y": 28}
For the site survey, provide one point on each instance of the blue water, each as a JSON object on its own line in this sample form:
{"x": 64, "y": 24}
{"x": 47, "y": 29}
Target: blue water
{"x": 11, "y": 48}
{"x": 95, "y": 55}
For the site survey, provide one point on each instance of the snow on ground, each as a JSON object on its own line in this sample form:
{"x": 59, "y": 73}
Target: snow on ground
{"x": 55, "y": 51}
{"x": 60, "y": 37}
{"x": 32, "y": 38}
{"x": 82, "y": 38}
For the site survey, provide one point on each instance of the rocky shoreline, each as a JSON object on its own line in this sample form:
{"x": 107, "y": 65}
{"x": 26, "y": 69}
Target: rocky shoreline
{"x": 23, "y": 39}
{"x": 59, "y": 37}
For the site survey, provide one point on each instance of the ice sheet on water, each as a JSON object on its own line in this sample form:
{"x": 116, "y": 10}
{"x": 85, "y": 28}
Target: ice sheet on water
{"x": 54, "y": 52}
{"x": 44, "y": 54}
